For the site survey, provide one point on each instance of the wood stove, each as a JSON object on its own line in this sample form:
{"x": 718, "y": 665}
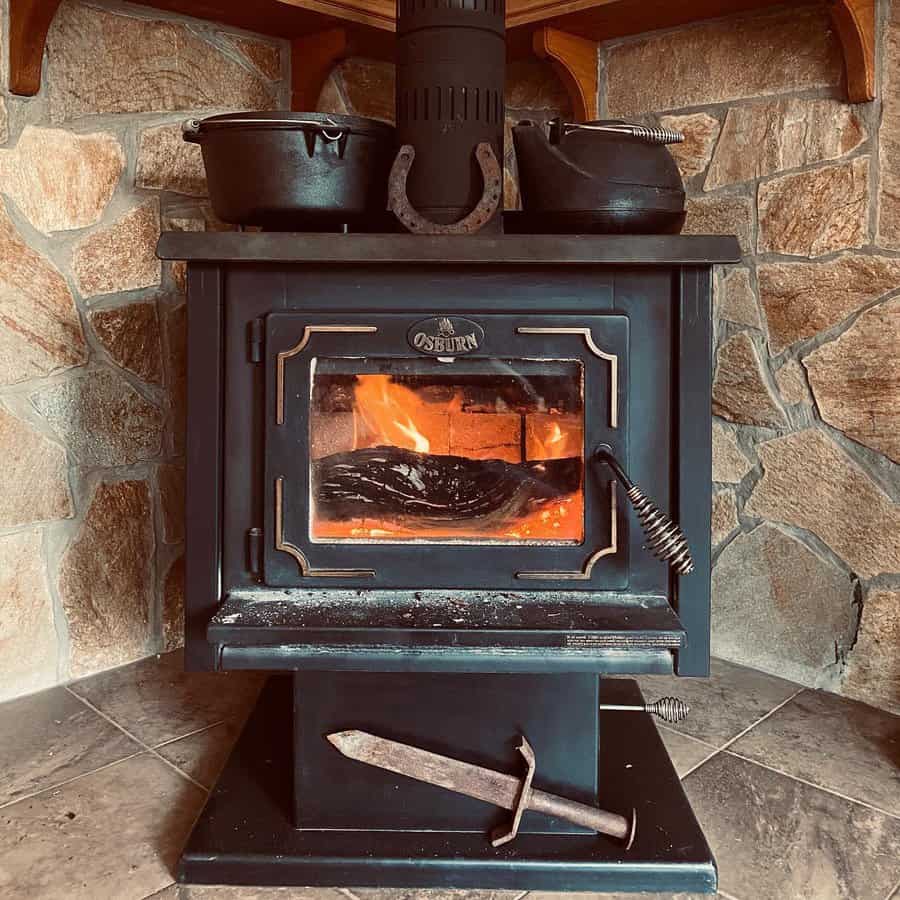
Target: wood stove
{"x": 393, "y": 492}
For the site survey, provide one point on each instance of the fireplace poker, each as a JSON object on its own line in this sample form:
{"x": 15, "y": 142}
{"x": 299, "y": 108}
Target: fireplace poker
{"x": 669, "y": 709}
{"x": 503, "y": 790}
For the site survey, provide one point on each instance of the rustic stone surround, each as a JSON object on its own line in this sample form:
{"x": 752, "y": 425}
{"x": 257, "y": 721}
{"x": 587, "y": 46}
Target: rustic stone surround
{"x": 92, "y": 329}
{"x": 807, "y": 387}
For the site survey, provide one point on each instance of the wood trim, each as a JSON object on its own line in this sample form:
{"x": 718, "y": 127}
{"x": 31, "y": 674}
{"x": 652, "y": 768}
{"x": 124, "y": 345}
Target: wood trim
{"x": 854, "y": 21}
{"x": 29, "y": 22}
{"x": 313, "y": 56}
{"x": 574, "y": 60}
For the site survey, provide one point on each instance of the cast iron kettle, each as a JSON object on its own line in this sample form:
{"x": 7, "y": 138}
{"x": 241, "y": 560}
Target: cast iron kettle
{"x": 599, "y": 177}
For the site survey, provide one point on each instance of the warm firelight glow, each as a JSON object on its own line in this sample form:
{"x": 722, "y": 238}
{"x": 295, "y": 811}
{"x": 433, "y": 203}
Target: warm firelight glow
{"x": 389, "y": 414}
{"x": 386, "y": 413}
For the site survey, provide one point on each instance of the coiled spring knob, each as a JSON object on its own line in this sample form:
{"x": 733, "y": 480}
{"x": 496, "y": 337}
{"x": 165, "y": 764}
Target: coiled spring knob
{"x": 669, "y": 709}
{"x": 665, "y": 539}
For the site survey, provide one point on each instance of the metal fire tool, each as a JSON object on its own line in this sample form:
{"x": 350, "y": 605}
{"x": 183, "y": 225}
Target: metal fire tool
{"x": 669, "y": 709}
{"x": 666, "y": 541}
{"x": 506, "y": 791}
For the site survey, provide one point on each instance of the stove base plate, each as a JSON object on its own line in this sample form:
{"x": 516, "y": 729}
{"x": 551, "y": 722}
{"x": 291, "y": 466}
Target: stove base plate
{"x": 245, "y": 833}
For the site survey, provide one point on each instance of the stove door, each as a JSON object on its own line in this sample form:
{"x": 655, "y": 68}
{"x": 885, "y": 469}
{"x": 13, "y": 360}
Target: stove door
{"x": 451, "y": 451}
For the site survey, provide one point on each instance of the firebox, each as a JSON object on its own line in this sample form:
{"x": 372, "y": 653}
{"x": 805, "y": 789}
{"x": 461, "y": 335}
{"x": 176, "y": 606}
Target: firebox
{"x": 447, "y": 482}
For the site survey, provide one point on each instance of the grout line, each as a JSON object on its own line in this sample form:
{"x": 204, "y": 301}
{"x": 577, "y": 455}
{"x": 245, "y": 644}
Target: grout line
{"x": 761, "y": 719}
{"x": 684, "y": 734}
{"x": 146, "y": 746}
{"x": 193, "y": 733}
{"x": 696, "y": 766}
{"x": 812, "y": 784}
{"x": 725, "y": 896}
{"x": 521, "y": 895}
{"x": 347, "y": 893}
{"x": 59, "y": 784}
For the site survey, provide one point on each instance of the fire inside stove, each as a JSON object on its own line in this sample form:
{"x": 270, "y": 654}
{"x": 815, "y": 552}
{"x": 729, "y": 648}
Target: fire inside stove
{"x": 474, "y": 451}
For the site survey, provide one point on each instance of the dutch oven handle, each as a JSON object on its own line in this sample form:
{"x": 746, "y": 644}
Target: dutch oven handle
{"x": 481, "y": 214}
{"x": 329, "y": 130}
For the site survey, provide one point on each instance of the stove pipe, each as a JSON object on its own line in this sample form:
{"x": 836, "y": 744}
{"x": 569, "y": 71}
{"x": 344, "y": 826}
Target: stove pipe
{"x": 451, "y": 62}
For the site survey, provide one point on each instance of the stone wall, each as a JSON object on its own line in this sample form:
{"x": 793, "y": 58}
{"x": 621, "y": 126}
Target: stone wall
{"x": 806, "y": 424}
{"x": 92, "y": 329}
{"x": 807, "y": 386}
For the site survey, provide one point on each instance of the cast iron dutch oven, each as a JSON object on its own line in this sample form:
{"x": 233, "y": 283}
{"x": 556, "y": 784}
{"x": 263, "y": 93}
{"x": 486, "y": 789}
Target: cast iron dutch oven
{"x": 294, "y": 170}
{"x": 598, "y": 177}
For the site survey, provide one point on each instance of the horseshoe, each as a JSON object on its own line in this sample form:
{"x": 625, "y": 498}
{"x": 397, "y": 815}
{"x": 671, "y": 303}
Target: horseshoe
{"x": 481, "y": 214}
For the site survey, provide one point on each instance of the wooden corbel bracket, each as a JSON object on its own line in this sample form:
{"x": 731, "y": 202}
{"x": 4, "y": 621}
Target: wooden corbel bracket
{"x": 575, "y": 61}
{"x": 854, "y": 21}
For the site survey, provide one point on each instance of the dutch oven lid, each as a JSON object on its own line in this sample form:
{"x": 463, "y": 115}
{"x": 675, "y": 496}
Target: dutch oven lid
{"x": 284, "y": 120}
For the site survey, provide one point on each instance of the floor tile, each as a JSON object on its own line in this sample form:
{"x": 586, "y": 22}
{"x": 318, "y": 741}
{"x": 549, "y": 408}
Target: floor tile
{"x": 430, "y": 894}
{"x": 50, "y": 737}
{"x": 215, "y": 892}
{"x": 685, "y": 752}
{"x": 835, "y": 742}
{"x": 724, "y": 704}
{"x": 775, "y": 838}
{"x": 156, "y": 700}
{"x": 113, "y": 834}
{"x": 550, "y": 895}
{"x": 203, "y": 755}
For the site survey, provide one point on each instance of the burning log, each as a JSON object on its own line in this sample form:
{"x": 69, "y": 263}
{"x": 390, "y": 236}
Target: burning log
{"x": 388, "y": 482}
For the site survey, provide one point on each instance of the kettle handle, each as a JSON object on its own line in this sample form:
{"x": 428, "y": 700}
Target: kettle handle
{"x": 651, "y": 135}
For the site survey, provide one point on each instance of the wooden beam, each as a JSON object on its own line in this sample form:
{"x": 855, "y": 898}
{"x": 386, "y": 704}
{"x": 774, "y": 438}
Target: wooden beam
{"x": 575, "y": 61}
{"x": 29, "y": 22}
{"x": 854, "y": 21}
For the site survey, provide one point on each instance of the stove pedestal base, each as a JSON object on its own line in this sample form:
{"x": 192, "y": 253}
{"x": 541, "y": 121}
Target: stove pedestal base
{"x": 246, "y": 833}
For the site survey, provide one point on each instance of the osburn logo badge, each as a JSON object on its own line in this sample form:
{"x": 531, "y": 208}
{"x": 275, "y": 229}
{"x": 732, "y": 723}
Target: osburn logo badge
{"x": 446, "y": 336}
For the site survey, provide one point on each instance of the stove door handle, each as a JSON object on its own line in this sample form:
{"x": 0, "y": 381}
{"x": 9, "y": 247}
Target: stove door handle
{"x": 666, "y": 541}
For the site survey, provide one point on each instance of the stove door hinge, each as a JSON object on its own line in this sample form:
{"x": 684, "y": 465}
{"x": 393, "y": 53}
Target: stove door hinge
{"x": 255, "y": 340}
{"x": 255, "y": 551}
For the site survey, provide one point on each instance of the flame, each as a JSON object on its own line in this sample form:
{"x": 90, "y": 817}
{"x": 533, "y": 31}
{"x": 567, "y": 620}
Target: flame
{"x": 385, "y": 413}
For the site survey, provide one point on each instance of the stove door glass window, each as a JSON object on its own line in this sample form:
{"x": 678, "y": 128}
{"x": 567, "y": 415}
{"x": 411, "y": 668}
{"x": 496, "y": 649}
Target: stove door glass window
{"x": 467, "y": 451}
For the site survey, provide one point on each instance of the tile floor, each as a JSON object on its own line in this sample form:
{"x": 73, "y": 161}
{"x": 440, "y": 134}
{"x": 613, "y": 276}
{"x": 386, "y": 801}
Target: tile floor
{"x": 799, "y": 791}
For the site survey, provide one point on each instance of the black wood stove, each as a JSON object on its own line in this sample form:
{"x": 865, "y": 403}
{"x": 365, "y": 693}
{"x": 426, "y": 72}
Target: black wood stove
{"x": 408, "y": 464}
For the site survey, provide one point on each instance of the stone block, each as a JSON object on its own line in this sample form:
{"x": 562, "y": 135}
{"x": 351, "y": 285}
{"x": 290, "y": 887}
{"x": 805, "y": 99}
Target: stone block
{"x": 802, "y": 299}
{"x": 101, "y": 419}
{"x": 728, "y": 59}
{"x": 368, "y": 87}
{"x": 106, "y": 576}
{"x": 166, "y": 162}
{"x": 734, "y": 299}
{"x": 120, "y": 256}
{"x": 889, "y": 136}
{"x": 762, "y": 139}
{"x": 729, "y": 464}
{"x": 40, "y": 331}
{"x": 809, "y": 482}
{"x": 791, "y": 381}
{"x": 815, "y": 212}
{"x": 531, "y": 84}
{"x": 700, "y": 131}
{"x": 740, "y": 392}
{"x": 855, "y": 379}
{"x": 872, "y": 673}
{"x": 130, "y": 334}
{"x": 102, "y": 62}
{"x": 778, "y": 606}
{"x": 264, "y": 56}
{"x": 173, "y": 606}
{"x": 60, "y": 180}
{"x": 724, "y": 515}
{"x": 28, "y": 639}
{"x": 170, "y": 478}
{"x": 34, "y": 483}
{"x": 721, "y": 215}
